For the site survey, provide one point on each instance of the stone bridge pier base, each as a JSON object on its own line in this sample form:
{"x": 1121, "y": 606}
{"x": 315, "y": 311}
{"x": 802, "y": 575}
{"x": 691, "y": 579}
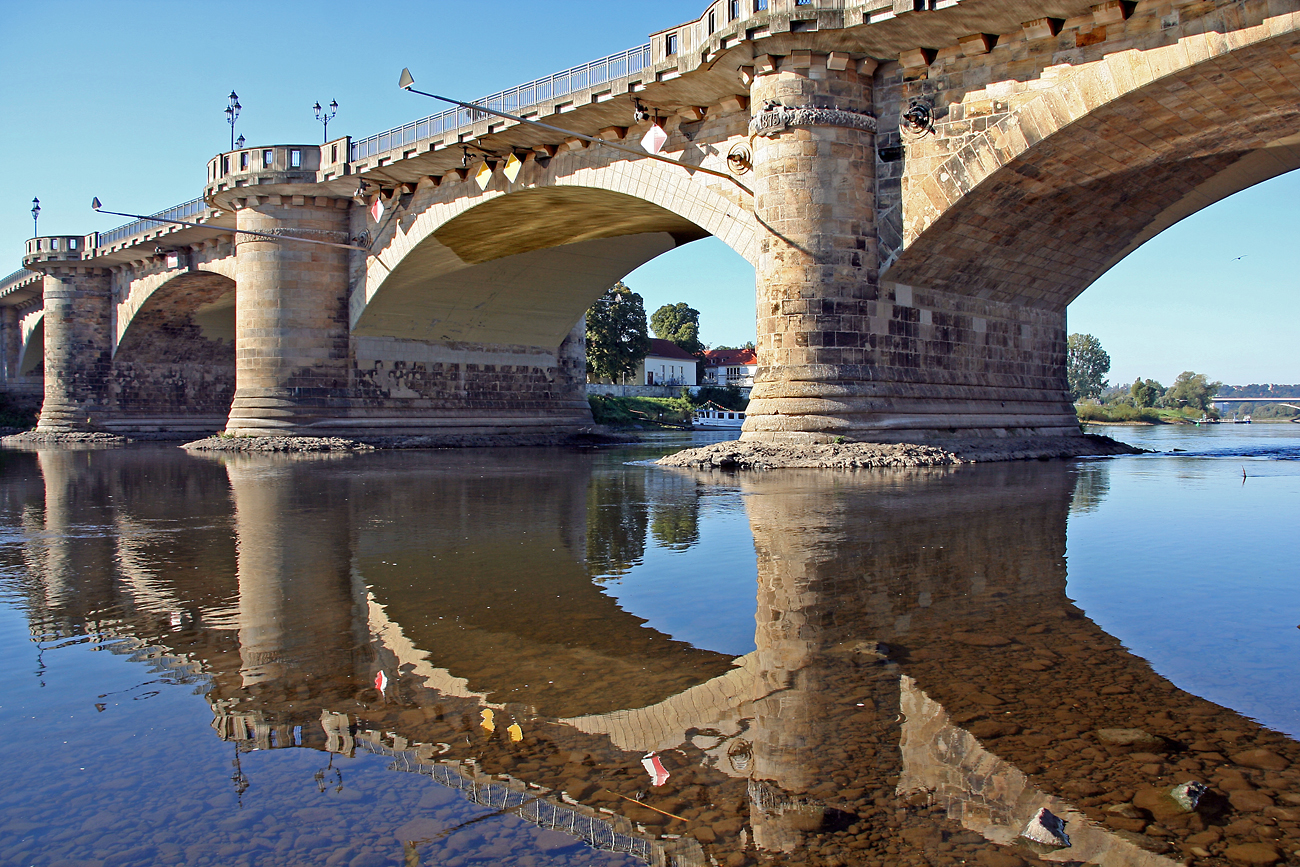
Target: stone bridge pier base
{"x": 291, "y": 344}
{"x": 78, "y": 349}
{"x": 814, "y": 190}
{"x": 843, "y": 351}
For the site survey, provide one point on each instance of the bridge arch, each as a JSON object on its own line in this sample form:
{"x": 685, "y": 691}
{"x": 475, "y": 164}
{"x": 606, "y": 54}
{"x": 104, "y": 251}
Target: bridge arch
{"x": 31, "y": 357}
{"x": 174, "y": 359}
{"x": 1084, "y": 172}
{"x": 520, "y": 266}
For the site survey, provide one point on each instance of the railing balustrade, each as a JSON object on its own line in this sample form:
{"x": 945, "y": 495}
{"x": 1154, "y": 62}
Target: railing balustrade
{"x": 184, "y": 211}
{"x": 510, "y": 101}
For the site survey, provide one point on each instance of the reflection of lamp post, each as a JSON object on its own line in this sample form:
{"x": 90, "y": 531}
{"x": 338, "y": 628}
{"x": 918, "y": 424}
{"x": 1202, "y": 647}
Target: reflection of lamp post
{"x": 326, "y": 116}
{"x": 36, "y": 214}
{"x": 232, "y": 115}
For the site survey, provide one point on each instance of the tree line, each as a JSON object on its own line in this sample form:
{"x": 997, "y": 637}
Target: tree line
{"x": 1087, "y": 364}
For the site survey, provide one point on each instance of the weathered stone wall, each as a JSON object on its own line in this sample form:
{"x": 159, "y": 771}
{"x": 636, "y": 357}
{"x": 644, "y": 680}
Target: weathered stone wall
{"x": 428, "y": 387}
{"x": 169, "y": 372}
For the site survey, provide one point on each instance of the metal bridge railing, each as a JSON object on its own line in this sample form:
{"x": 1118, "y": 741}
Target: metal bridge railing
{"x": 511, "y": 101}
{"x": 183, "y": 211}
{"x": 18, "y": 276}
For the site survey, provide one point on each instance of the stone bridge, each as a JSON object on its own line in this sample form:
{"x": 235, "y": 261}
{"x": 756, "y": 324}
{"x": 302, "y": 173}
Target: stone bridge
{"x": 922, "y": 187}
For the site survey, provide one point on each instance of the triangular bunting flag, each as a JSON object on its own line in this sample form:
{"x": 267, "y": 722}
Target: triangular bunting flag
{"x": 513, "y": 165}
{"x": 654, "y": 139}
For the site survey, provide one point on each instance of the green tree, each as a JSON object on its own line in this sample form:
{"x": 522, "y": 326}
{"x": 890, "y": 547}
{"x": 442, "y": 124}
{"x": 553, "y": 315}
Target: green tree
{"x": 616, "y": 334}
{"x": 1086, "y": 366}
{"x": 1193, "y": 390}
{"x": 1146, "y": 392}
{"x": 680, "y": 324}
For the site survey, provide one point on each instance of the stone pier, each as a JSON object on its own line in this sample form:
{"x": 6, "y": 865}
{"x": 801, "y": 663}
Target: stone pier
{"x": 292, "y": 359}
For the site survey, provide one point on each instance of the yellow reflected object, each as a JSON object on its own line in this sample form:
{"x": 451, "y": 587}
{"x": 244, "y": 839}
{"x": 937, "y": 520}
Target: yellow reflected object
{"x": 487, "y": 720}
{"x": 511, "y": 170}
{"x": 515, "y": 732}
{"x": 483, "y": 176}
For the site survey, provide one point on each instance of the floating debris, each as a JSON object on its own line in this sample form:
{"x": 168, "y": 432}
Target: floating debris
{"x": 655, "y": 768}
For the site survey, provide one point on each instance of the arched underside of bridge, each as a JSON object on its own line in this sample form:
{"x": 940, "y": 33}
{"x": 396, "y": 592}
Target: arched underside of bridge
{"x": 520, "y": 269}
{"x": 174, "y": 365}
{"x": 31, "y": 358}
{"x": 1089, "y": 185}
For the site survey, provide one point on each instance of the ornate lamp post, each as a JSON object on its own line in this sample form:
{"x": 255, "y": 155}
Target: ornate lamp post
{"x": 325, "y": 116}
{"x": 232, "y": 115}
{"x": 36, "y": 214}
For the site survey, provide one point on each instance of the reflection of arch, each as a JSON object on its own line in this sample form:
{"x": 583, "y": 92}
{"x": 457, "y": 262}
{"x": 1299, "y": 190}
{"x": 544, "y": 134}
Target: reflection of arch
{"x": 520, "y": 268}
{"x": 1057, "y": 192}
{"x": 175, "y": 356}
{"x": 31, "y": 358}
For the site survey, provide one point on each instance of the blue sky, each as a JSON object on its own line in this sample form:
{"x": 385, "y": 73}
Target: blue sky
{"x": 125, "y": 101}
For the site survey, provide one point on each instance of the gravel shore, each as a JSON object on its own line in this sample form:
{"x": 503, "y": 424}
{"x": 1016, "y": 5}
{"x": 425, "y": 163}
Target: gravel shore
{"x": 737, "y": 455}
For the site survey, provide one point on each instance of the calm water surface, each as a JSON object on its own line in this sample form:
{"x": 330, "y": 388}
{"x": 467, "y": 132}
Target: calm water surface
{"x": 544, "y": 656}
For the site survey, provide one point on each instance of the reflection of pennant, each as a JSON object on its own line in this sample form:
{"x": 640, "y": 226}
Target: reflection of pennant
{"x": 483, "y": 176}
{"x": 487, "y": 720}
{"x": 377, "y": 209}
{"x": 513, "y": 165}
{"x": 381, "y": 681}
{"x": 515, "y": 732}
{"x": 655, "y": 768}
{"x": 654, "y": 140}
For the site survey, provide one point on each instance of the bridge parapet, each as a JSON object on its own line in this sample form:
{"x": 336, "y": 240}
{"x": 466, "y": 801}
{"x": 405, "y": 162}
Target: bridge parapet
{"x": 57, "y": 249}
{"x": 259, "y": 166}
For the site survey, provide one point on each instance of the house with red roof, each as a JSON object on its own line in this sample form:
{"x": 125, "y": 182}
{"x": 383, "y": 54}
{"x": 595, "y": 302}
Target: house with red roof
{"x": 723, "y": 367}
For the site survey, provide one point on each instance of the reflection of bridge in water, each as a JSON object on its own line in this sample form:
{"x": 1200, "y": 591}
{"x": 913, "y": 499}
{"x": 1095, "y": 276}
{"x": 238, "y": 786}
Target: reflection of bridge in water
{"x": 919, "y": 673}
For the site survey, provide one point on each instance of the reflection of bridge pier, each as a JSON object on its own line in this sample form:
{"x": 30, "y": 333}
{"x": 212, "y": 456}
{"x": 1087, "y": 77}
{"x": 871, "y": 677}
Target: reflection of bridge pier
{"x": 302, "y": 617}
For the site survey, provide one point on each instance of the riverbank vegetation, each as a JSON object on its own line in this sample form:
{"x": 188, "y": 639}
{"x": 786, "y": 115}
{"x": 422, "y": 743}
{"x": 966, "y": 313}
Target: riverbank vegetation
{"x": 676, "y": 411}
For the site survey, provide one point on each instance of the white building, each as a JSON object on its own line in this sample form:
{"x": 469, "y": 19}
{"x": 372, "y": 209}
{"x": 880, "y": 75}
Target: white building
{"x": 667, "y": 364}
{"x": 723, "y": 367}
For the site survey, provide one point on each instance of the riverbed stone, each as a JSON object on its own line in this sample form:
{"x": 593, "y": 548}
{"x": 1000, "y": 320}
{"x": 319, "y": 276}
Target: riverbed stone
{"x": 1252, "y": 854}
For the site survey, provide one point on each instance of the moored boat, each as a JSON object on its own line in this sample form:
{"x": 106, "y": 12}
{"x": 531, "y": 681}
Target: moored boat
{"x": 713, "y": 417}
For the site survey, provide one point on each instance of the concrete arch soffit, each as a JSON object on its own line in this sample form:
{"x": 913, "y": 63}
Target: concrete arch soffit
{"x": 1072, "y": 99}
{"x": 687, "y": 198}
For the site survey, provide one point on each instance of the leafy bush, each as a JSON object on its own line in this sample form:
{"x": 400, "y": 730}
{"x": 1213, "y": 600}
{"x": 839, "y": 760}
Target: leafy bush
{"x": 624, "y": 411}
{"x": 1116, "y": 412}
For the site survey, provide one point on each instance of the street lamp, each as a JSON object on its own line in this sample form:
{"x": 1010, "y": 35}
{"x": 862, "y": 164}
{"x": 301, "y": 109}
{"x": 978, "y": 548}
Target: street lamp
{"x": 232, "y": 115}
{"x": 36, "y": 214}
{"x": 239, "y": 142}
{"x": 325, "y": 116}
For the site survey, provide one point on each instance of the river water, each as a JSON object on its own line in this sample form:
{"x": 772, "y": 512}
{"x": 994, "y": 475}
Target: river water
{"x": 546, "y": 656}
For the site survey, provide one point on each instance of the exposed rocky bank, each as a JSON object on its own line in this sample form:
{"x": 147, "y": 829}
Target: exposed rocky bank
{"x": 737, "y": 455}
